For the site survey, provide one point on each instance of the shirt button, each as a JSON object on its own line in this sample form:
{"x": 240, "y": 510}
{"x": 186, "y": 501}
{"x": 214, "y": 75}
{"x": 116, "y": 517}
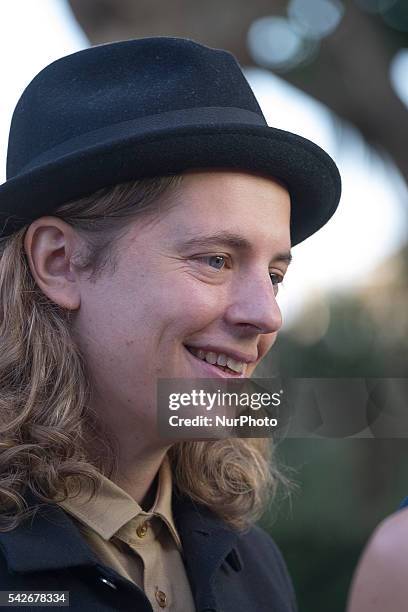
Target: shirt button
{"x": 161, "y": 598}
{"x": 141, "y": 530}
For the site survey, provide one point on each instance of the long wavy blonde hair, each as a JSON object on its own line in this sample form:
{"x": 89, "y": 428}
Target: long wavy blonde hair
{"x": 45, "y": 420}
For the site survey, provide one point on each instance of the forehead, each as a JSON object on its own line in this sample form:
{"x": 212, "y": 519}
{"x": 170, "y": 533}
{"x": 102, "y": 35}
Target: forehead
{"x": 252, "y": 206}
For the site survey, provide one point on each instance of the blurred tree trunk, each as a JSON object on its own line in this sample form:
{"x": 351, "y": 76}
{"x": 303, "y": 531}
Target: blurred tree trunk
{"x": 350, "y": 74}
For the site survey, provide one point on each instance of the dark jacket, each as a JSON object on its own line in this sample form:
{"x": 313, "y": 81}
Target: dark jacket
{"x": 228, "y": 572}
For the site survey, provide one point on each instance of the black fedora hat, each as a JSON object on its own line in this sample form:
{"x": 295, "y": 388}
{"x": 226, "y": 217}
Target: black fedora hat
{"x": 149, "y": 107}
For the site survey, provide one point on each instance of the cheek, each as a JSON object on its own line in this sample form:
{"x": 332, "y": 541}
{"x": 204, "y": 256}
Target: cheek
{"x": 194, "y": 304}
{"x": 264, "y": 346}
{"x": 266, "y": 343}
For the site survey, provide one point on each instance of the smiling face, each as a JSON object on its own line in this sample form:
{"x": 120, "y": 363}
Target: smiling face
{"x": 203, "y": 275}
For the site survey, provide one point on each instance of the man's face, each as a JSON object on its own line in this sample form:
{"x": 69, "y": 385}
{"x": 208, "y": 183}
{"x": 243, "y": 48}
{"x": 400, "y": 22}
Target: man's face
{"x": 204, "y": 275}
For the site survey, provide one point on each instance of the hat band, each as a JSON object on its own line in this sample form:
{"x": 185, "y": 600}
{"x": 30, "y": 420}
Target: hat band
{"x": 210, "y": 116}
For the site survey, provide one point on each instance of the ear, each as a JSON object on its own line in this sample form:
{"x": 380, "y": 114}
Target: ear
{"x": 49, "y": 243}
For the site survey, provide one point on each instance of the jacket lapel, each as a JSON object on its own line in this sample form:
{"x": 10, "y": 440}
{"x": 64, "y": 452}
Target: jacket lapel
{"x": 207, "y": 542}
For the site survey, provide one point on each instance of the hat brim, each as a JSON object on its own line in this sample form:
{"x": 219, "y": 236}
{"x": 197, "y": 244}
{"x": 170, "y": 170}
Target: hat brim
{"x": 84, "y": 165}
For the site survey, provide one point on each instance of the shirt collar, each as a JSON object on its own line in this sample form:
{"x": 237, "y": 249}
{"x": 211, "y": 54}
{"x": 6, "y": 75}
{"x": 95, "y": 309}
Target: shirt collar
{"x": 112, "y": 507}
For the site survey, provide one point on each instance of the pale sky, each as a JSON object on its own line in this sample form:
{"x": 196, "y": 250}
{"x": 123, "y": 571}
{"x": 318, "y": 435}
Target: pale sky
{"x": 371, "y": 221}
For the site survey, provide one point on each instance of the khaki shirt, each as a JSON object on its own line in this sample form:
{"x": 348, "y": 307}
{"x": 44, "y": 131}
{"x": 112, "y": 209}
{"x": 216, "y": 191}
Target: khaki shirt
{"x": 144, "y": 547}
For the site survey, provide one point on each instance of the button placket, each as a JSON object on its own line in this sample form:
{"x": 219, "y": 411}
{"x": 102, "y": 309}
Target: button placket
{"x": 157, "y": 586}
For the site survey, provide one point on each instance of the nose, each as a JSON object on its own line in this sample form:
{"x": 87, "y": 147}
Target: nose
{"x": 253, "y": 305}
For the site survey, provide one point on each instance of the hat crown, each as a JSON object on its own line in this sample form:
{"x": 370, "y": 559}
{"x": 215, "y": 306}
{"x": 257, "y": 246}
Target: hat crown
{"x": 117, "y": 82}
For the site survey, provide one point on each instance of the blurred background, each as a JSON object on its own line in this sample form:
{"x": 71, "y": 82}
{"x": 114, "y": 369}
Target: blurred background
{"x": 335, "y": 72}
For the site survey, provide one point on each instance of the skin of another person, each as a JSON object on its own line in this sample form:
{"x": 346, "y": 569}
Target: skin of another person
{"x": 132, "y": 324}
{"x": 380, "y": 583}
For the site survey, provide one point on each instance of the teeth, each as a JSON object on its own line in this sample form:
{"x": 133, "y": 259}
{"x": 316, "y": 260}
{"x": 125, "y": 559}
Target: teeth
{"x": 220, "y": 359}
{"x": 237, "y": 366}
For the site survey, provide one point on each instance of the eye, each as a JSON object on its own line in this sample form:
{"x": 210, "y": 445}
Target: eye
{"x": 215, "y": 261}
{"x": 276, "y": 280}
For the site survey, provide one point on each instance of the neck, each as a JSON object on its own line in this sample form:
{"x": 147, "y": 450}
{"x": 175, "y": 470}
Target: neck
{"x": 138, "y": 457}
{"x": 139, "y": 477}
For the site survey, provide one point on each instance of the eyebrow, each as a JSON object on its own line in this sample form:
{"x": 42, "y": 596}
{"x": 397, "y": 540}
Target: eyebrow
{"x": 230, "y": 239}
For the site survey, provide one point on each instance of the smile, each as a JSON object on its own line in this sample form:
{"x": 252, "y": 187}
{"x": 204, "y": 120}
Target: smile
{"x": 219, "y": 362}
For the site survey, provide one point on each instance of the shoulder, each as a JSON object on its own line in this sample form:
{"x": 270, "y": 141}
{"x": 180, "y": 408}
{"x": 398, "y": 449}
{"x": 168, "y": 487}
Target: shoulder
{"x": 262, "y": 557}
{"x": 258, "y": 539}
{"x": 381, "y": 575}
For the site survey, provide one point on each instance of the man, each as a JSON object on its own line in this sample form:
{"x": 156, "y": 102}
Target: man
{"x": 149, "y": 165}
